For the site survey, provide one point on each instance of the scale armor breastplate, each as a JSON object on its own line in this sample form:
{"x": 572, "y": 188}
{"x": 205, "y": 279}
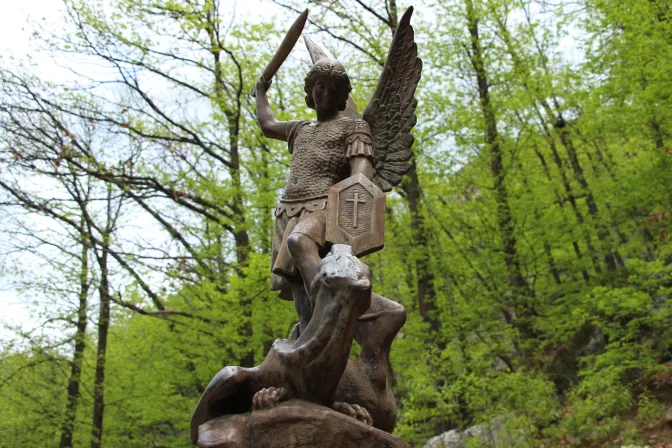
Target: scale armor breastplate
{"x": 318, "y": 153}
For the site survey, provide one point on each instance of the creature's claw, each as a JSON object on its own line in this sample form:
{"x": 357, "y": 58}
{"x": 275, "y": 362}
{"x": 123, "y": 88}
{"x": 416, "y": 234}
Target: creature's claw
{"x": 355, "y": 411}
{"x": 268, "y": 397}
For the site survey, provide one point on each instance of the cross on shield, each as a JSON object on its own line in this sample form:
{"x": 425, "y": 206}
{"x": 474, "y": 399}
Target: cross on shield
{"x": 356, "y": 215}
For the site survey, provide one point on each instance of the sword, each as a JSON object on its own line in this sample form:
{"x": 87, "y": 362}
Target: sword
{"x": 283, "y": 51}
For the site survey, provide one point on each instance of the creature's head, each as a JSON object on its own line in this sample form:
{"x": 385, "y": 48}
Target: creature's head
{"x": 343, "y": 278}
{"x": 327, "y": 86}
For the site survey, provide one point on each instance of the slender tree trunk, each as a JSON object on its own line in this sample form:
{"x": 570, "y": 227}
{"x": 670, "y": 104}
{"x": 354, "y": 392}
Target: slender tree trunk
{"x": 392, "y": 13}
{"x": 547, "y": 245}
{"x": 615, "y": 225}
{"x": 241, "y": 237}
{"x": 426, "y": 297}
{"x": 605, "y": 160}
{"x": 266, "y": 244}
{"x": 575, "y": 208}
{"x": 237, "y": 202}
{"x": 611, "y": 257}
{"x": 103, "y": 327}
{"x": 67, "y": 428}
{"x": 575, "y": 244}
{"x": 505, "y": 219}
{"x": 232, "y": 114}
{"x": 541, "y": 100}
{"x": 657, "y": 135}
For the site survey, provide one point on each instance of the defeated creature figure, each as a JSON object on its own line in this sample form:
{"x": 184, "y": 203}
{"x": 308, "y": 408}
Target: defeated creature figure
{"x": 316, "y": 367}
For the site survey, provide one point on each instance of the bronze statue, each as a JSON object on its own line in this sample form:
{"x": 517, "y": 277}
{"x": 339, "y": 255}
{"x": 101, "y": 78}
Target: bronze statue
{"x": 331, "y": 211}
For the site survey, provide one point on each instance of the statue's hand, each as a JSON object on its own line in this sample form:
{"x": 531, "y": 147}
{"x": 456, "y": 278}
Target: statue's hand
{"x": 262, "y": 84}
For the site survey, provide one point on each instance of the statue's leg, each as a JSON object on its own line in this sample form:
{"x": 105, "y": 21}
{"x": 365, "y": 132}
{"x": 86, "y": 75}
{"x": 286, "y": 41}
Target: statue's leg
{"x": 305, "y": 256}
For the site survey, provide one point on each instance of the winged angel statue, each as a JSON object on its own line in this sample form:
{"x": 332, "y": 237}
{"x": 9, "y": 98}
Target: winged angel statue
{"x": 340, "y": 143}
{"x": 371, "y": 150}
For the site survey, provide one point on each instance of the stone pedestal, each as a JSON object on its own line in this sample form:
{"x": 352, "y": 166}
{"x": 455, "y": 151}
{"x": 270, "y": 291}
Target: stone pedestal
{"x": 293, "y": 424}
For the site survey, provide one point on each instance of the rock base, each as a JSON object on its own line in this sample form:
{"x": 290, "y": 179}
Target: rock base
{"x": 293, "y": 424}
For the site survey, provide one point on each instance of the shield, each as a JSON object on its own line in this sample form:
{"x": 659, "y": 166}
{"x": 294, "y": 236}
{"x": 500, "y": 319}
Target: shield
{"x": 356, "y": 215}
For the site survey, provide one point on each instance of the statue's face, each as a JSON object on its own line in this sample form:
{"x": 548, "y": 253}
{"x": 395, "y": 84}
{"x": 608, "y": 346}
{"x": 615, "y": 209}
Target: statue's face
{"x": 325, "y": 94}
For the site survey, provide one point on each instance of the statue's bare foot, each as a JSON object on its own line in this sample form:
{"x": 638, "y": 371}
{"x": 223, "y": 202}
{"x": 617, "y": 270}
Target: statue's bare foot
{"x": 268, "y": 397}
{"x": 355, "y": 411}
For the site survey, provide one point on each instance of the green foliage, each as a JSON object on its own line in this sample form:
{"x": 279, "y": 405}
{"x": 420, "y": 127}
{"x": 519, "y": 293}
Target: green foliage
{"x": 551, "y": 272}
{"x": 32, "y": 393}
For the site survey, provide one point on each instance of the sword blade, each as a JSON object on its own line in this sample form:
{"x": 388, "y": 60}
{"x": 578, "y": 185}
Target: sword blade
{"x": 286, "y": 46}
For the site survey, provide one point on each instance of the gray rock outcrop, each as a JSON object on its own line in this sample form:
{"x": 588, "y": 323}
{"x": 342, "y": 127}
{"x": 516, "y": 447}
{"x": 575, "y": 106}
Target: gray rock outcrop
{"x": 490, "y": 435}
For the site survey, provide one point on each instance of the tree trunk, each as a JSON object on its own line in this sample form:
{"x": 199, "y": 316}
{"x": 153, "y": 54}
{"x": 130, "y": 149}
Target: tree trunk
{"x": 242, "y": 238}
{"x": 612, "y": 256}
{"x": 550, "y": 115}
{"x": 237, "y": 203}
{"x": 504, "y": 215}
{"x": 68, "y": 424}
{"x": 560, "y": 202}
{"x": 426, "y": 297}
{"x": 241, "y": 235}
{"x": 103, "y": 327}
{"x": 548, "y": 251}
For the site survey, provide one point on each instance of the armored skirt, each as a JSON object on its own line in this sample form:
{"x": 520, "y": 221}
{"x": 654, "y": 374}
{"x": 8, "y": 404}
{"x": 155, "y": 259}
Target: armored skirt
{"x": 307, "y": 217}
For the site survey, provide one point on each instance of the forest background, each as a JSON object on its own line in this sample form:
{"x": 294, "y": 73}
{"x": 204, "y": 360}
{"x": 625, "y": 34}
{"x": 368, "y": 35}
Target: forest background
{"x": 530, "y": 242}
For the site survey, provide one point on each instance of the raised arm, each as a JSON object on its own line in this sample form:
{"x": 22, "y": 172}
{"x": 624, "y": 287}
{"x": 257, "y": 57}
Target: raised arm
{"x": 269, "y": 124}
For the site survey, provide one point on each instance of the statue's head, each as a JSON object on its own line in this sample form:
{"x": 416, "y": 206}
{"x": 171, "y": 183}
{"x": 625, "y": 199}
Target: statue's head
{"x": 327, "y": 85}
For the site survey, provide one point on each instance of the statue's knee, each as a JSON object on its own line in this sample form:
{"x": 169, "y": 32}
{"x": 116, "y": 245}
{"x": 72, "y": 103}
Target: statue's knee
{"x": 293, "y": 243}
{"x": 296, "y": 243}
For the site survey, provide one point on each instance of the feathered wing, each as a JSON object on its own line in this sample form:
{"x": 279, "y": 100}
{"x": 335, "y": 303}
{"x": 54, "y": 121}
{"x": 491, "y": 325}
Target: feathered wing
{"x": 391, "y": 111}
